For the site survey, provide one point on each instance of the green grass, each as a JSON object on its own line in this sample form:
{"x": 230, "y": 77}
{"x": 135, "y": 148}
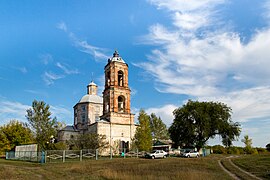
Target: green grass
{"x": 130, "y": 168}
{"x": 259, "y": 165}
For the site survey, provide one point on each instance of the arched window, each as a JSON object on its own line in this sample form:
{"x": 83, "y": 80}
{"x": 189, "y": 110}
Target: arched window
{"x": 120, "y": 78}
{"x": 108, "y": 78}
{"x": 107, "y": 107}
{"x": 121, "y": 104}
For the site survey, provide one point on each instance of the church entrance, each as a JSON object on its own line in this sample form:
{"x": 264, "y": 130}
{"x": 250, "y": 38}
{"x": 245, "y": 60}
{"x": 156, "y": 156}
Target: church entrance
{"x": 124, "y": 146}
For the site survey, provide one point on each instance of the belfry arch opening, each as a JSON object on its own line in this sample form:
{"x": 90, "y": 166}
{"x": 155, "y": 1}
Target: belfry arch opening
{"x": 121, "y": 104}
{"x": 108, "y": 78}
{"x": 120, "y": 78}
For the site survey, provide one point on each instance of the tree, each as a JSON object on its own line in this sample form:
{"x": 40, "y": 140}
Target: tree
{"x": 4, "y": 143}
{"x": 143, "y": 137}
{"x": 268, "y": 147}
{"x": 196, "y": 122}
{"x": 248, "y": 145}
{"x": 247, "y": 141}
{"x": 15, "y": 133}
{"x": 41, "y": 123}
{"x": 158, "y": 128}
{"x": 89, "y": 141}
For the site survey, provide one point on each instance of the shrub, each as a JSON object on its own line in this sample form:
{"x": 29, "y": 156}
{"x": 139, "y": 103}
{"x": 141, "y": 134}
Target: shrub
{"x": 218, "y": 149}
{"x": 233, "y": 150}
{"x": 250, "y": 150}
{"x": 261, "y": 150}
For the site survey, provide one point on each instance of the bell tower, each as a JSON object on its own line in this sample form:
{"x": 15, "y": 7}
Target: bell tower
{"x": 116, "y": 95}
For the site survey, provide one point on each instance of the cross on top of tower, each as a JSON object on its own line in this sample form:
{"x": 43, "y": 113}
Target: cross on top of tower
{"x": 116, "y": 57}
{"x": 115, "y": 54}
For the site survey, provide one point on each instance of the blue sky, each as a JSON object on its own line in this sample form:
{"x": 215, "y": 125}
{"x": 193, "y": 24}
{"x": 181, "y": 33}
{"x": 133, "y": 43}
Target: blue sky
{"x": 211, "y": 50}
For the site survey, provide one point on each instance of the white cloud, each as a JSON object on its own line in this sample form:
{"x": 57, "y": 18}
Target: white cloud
{"x": 62, "y": 26}
{"x": 165, "y": 113}
{"x": 22, "y": 69}
{"x": 266, "y": 13}
{"x": 133, "y": 92}
{"x": 190, "y": 15}
{"x": 216, "y": 65}
{"x": 15, "y": 110}
{"x": 46, "y": 58}
{"x": 210, "y": 65}
{"x": 66, "y": 69}
{"x": 12, "y": 110}
{"x": 63, "y": 114}
{"x": 50, "y": 77}
{"x": 247, "y": 104}
{"x": 97, "y": 52}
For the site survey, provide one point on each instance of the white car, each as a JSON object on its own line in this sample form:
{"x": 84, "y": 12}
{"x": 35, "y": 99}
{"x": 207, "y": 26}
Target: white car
{"x": 157, "y": 154}
{"x": 190, "y": 153}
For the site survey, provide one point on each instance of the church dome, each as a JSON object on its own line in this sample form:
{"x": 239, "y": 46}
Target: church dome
{"x": 92, "y": 84}
{"x": 91, "y": 98}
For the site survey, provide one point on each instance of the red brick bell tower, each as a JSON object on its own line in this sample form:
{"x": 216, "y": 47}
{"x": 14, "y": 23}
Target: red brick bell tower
{"x": 116, "y": 95}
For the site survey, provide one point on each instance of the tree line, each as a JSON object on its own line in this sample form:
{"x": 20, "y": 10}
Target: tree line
{"x": 193, "y": 125}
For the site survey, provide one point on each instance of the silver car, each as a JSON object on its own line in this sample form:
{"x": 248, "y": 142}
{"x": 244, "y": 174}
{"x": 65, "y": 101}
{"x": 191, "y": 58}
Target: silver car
{"x": 157, "y": 154}
{"x": 190, "y": 153}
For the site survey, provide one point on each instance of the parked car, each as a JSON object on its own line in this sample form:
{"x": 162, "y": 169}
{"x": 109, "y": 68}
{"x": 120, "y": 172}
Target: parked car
{"x": 156, "y": 154}
{"x": 189, "y": 153}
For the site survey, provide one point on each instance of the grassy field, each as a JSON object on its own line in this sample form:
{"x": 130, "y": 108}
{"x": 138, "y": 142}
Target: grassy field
{"x": 258, "y": 165}
{"x": 170, "y": 168}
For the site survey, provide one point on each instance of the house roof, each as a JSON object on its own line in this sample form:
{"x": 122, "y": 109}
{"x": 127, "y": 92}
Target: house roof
{"x": 161, "y": 143}
{"x": 69, "y": 128}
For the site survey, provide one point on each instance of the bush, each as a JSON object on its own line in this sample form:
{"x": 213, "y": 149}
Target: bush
{"x": 233, "y": 150}
{"x": 250, "y": 150}
{"x": 218, "y": 149}
{"x": 261, "y": 150}
{"x": 61, "y": 146}
{"x": 241, "y": 150}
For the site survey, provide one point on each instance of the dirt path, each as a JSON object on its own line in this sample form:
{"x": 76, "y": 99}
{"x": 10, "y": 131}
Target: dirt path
{"x": 234, "y": 176}
{"x": 237, "y": 167}
{"x": 228, "y": 172}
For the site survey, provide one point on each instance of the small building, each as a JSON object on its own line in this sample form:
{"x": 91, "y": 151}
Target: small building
{"x": 69, "y": 132}
{"x": 164, "y": 145}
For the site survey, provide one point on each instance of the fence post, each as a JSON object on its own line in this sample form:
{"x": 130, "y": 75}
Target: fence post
{"x": 42, "y": 159}
{"x": 110, "y": 152}
{"x": 64, "y": 155}
{"x": 137, "y": 153}
{"x": 45, "y": 157}
{"x": 96, "y": 154}
{"x": 6, "y": 155}
{"x": 80, "y": 155}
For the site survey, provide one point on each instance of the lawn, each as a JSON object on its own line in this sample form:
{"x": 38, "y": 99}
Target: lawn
{"x": 258, "y": 165}
{"x": 129, "y": 168}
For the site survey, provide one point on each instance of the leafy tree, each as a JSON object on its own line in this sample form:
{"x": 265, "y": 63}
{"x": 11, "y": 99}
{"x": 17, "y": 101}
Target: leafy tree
{"x": 143, "y": 137}
{"x": 89, "y": 141}
{"x": 15, "y": 133}
{"x": 158, "y": 128}
{"x": 43, "y": 126}
{"x": 196, "y": 122}
{"x": 247, "y": 141}
{"x": 218, "y": 149}
{"x": 4, "y": 143}
{"x": 268, "y": 147}
{"x": 248, "y": 145}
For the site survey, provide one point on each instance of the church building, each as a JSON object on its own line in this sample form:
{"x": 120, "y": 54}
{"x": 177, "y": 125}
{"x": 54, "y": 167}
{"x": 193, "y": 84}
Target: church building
{"x": 109, "y": 115}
